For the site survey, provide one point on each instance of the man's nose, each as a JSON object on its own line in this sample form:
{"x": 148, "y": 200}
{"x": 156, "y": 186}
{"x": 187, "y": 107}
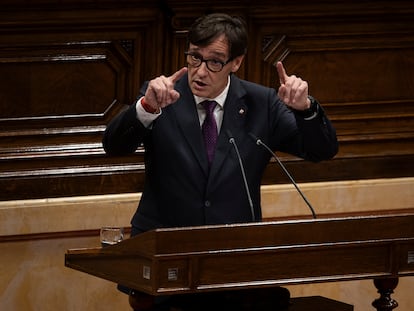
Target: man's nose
{"x": 202, "y": 69}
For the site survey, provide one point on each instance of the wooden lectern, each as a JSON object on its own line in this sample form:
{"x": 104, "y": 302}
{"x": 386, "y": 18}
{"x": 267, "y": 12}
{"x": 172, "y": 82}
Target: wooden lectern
{"x": 226, "y": 257}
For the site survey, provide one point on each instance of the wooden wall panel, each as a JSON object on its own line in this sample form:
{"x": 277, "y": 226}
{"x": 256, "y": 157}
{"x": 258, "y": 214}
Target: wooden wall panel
{"x": 356, "y": 62}
{"x": 67, "y": 68}
{"x": 65, "y": 73}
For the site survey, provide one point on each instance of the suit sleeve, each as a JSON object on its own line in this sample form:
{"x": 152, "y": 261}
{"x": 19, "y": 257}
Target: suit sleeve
{"x": 319, "y": 140}
{"x": 313, "y": 139}
{"x": 124, "y": 134}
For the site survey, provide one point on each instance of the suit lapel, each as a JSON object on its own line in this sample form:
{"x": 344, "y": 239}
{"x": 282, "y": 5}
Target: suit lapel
{"x": 235, "y": 111}
{"x": 188, "y": 122}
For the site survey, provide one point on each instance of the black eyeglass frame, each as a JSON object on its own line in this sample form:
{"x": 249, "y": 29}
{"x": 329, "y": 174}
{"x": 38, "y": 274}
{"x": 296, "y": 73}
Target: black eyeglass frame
{"x": 202, "y": 60}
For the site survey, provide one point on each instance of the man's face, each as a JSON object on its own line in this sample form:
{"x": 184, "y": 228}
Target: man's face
{"x": 202, "y": 81}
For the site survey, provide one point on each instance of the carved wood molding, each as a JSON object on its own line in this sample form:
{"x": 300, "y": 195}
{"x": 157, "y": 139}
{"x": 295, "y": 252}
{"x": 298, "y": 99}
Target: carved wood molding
{"x": 66, "y": 70}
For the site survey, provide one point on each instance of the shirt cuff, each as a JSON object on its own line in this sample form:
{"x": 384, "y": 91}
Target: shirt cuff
{"x": 146, "y": 118}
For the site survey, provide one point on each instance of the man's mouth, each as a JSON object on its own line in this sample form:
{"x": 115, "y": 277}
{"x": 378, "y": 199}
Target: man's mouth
{"x": 200, "y": 83}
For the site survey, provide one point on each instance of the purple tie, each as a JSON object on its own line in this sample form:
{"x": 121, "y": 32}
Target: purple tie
{"x": 209, "y": 129}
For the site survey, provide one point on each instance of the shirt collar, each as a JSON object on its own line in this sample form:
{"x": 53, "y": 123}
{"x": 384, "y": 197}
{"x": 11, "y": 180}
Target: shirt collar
{"x": 219, "y": 99}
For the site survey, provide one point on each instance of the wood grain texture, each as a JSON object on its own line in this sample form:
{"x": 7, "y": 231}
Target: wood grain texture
{"x": 66, "y": 69}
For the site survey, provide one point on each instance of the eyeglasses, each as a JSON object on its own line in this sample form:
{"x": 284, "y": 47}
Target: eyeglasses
{"x": 195, "y": 60}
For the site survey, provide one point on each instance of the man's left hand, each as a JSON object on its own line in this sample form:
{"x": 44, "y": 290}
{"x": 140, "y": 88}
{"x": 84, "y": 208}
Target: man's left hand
{"x": 293, "y": 90}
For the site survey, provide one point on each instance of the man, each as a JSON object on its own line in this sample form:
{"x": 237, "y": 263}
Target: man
{"x": 189, "y": 183}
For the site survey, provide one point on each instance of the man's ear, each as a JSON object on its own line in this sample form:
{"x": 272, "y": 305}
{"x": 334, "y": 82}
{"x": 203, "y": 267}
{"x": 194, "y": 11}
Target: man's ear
{"x": 236, "y": 63}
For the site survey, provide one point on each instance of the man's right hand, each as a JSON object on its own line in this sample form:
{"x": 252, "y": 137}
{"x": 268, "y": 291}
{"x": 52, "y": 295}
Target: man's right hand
{"x": 161, "y": 93}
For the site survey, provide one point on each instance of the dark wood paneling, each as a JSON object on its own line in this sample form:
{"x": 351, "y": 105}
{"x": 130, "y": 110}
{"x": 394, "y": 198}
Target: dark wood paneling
{"x": 67, "y": 68}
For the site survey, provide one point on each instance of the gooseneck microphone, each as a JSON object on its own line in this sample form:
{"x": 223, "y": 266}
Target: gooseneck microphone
{"x": 260, "y": 143}
{"x": 246, "y": 185}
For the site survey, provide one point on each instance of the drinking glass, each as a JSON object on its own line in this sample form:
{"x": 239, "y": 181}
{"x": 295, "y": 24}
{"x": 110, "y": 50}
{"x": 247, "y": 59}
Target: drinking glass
{"x": 111, "y": 235}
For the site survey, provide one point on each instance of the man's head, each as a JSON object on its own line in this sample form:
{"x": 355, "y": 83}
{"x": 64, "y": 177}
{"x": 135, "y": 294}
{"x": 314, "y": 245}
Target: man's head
{"x": 217, "y": 44}
{"x": 207, "y": 29}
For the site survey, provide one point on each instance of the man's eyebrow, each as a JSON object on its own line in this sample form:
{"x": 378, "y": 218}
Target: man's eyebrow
{"x": 219, "y": 54}
{"x": 215, "y": 54}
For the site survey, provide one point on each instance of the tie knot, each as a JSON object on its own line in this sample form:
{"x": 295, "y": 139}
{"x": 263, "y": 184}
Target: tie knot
{"x": 209, "y": 106}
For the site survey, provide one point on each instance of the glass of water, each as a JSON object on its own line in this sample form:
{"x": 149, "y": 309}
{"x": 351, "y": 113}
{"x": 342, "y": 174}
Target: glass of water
{"x": 111, "y": 235}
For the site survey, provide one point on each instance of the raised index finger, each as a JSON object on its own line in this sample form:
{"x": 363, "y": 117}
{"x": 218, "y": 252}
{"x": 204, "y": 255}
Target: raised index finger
{"x": 178, "y": 74}
{"x": 281, "y": 72}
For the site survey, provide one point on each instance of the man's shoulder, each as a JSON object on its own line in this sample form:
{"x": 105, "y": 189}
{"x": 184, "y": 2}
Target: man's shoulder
{"x": 253, "y": 88}
{"x": 249, "y": 85}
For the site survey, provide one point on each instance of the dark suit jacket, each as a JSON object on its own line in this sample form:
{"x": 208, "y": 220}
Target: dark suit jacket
{"x": 179, "y": 188}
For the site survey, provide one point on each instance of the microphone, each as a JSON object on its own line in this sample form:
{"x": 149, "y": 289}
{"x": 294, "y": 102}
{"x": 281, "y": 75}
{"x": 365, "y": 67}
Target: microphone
{"x": 260, "y": 143}
{"x": 246, "y": 185}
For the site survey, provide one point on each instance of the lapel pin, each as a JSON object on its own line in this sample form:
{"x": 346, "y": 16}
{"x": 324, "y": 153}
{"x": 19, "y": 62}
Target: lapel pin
{"x": 241, "y": 111}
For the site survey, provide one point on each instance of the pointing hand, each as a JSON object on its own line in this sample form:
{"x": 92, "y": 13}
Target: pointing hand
{"x": 293, "y": 90}
{"x": 161, "y": 93}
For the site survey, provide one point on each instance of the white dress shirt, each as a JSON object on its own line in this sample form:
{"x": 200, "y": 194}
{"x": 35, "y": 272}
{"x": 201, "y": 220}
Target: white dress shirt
{"x": 147, "y": 118}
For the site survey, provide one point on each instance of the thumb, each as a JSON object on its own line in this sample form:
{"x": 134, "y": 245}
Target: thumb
{"x": 282, "y": 92}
